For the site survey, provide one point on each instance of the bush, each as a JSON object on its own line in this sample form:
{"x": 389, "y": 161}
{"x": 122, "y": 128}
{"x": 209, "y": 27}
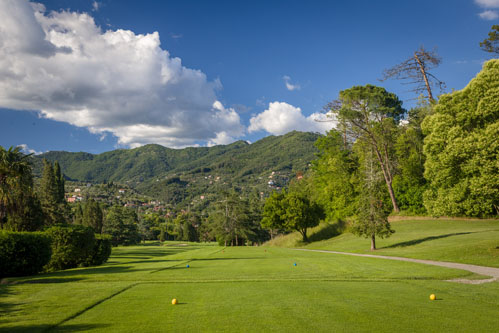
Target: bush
{"x": 101, "y": 250}
{"x": 23, "y": 253}
{"x": 71, "y": 246}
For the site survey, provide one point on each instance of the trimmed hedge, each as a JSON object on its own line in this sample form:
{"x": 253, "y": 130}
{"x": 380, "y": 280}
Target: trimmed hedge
{"x": 101, "y": 251}
{"x": 71, "y": 246}
{"x": 23, "y": 253}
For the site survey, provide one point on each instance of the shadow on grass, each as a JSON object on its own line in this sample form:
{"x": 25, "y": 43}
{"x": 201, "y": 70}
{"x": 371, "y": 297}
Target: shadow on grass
{"x": 425, "y": 239}
{"x": 50, "y": 328}
{"x": 6, "y": 308}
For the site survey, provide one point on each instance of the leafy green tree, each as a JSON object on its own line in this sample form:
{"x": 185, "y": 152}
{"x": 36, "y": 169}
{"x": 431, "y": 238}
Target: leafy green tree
{"x": 409, "y": 183}
{"x": 333, "y": 176}
{"x": 371, "y": 114}
{"x": 19, "y": 206}
{"x": 273, "y": 211}
{"x": 93, "y": 216}
{"x": 462, "y": 149}
{"x": 291, "y": 211}
{"x": 491, "y": 44}
{"x": 121, "y": 224}
{"x": 372, "y": 217}
{"x": 301, "y": 214}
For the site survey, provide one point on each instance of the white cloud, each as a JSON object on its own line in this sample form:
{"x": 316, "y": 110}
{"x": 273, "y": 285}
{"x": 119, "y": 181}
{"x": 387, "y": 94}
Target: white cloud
{"x": 289, "y": 86}
{"x": 281, "y": 118}
{"x": 95, "y": 6}
{"x": 489, "y": 15}
{"x": 116, "y": 82}
{"x": 28, "y": 150}
{"x": 488, "y": 3}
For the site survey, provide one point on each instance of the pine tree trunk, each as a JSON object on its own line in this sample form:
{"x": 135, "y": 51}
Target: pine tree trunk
{"x": 425, "y": 77}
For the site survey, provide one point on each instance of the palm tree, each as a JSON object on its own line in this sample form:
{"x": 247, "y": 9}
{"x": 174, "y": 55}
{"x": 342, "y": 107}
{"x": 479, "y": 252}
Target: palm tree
{"x": 15, "y": 177}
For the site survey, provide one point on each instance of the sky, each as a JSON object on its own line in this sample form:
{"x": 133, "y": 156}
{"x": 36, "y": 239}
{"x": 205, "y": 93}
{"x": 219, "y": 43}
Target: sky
{"x": 84, "y": 75}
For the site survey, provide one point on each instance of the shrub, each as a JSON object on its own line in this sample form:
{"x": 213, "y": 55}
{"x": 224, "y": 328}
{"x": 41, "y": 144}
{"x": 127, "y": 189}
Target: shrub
{"x": 23, "y": 253}
{"x": 101, "y": 250}
{"x": 71, "y": 246}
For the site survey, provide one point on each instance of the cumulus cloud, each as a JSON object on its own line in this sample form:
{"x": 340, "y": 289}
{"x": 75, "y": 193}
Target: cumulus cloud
{"x": 114, "y": 81}
{"x": 28, "y": 150}
{"x": 488, "y": 3}
{"x": 289, "y": 86}
{"x": 489, "y": 15}
{"x": 281, "y": 118}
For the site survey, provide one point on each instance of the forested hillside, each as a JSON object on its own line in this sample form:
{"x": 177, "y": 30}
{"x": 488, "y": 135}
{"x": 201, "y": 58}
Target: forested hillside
{"x": 182, "y": 176}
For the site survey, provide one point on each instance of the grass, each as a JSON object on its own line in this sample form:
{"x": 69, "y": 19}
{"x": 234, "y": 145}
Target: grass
{"x": 246, "y": 289}
{"x": 464, "y": 241}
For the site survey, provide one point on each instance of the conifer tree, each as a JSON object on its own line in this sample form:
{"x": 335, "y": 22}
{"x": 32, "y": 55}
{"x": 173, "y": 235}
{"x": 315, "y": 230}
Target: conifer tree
{"x": 49, "y": 196}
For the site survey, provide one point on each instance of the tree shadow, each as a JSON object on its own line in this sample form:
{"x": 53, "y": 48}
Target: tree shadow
{"x": 426, "y": 239}
{"x": 6, "y": 308}
{"x": 329, "y": 231}
{"x": 51, "y": 328}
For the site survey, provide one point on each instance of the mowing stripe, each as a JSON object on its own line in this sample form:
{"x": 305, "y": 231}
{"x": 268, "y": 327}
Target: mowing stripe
{"x": 79, "y": 313}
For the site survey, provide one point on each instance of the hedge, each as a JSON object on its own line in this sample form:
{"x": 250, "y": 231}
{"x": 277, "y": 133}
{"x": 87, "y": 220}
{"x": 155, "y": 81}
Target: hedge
{"x": 23, "y": 253}
{"x": 71, "y": 246}
{"x": 101, "y": 251}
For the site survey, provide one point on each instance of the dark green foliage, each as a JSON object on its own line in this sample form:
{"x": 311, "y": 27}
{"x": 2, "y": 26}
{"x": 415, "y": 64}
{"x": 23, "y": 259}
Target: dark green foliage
{"x": 121, "y": 224}
{"x": 71, "y": 246}
{"x": 52, "y": 205}
{"x": 491, "y": 44}
{"x": 59, "y": 182}
{"x": 23, "y": 253}
{"x": 92, "y": 216}
{"x": 231, "y": 220}
{"x": 19, "y": 207}
{"x": 462, "y": 149}
{"x": 101, "y": 251}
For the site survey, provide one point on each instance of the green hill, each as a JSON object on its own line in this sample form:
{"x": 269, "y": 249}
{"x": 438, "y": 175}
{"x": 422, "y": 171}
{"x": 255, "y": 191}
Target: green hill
{"x": 193, "y": 176}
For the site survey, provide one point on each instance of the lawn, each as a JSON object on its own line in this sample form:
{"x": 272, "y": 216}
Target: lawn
{"x": 464, "y": 241}
{"x": 247, "y": 289}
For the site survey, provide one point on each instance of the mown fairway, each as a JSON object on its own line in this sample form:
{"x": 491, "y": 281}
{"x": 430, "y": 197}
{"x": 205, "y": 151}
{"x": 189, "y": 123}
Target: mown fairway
{"x": 247, "y": 289}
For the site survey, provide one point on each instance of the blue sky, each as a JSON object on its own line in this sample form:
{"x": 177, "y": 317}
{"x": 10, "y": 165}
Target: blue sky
{"x": 82, "y": 75}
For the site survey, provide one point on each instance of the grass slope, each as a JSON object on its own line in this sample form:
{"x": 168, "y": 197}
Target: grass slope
{"x": 464, "y": 241}
{"x": 246, "y": 289}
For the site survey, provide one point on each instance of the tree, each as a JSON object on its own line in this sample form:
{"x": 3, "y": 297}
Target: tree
{"x": 491, "y": 44}
{"x": 416, "y": 71}
{"x": 53, "y": 205}
{"x": 231, "y": 221}
{"x": 291, "y": 211}
{"x": 332, "y": 177}
{"x": 121, "y": 224}
{"x": 19, "y": 207}
{"x": 92, "y": 216}
{"x": 273, "y": 210}
{"x": 372, "y": 216}
{"x": 462, "y": 149}
{"x": 59, "y": 182}
{"x": 371, "y": 114}
{"x": 409, "y": 183}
